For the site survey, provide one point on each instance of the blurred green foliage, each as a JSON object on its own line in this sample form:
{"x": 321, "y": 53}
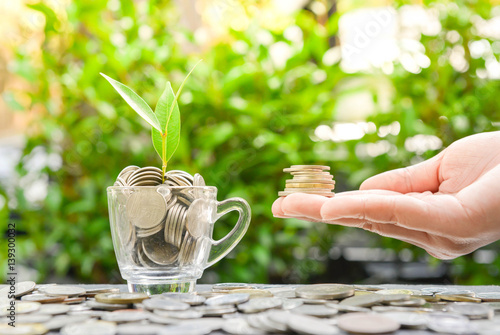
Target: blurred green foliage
{"x": 243, "y": 120}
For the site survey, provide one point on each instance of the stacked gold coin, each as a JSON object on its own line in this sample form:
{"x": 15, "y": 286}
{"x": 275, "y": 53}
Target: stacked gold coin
{"x": 312, "y": 179}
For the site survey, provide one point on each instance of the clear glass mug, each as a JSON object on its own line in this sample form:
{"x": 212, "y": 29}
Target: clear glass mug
{"x": 162, "y": 235}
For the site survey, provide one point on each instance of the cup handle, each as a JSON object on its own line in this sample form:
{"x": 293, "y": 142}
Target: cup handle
{"x": 223, "y": 246}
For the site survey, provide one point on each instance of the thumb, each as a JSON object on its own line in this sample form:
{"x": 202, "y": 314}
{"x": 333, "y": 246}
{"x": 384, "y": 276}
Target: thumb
{"x": 416, "y": 178}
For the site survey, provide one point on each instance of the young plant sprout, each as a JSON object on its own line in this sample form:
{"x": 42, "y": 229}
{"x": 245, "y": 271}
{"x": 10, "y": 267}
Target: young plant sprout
{"x": 165, "y": 120}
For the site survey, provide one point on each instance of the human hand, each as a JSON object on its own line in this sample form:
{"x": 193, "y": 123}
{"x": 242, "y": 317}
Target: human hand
{"x": 448, "y": 205}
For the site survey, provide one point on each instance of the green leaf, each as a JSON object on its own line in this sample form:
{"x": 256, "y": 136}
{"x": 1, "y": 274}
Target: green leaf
{"x": 164, "y": 106}
{"x": 167, "y": 112}
{"x": 163, "y": 112}
{"x": 135, "y": 101}
{"x": 173, "y": 136}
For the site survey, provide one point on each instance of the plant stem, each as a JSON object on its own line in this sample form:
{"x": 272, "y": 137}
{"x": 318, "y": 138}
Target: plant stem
{"x": 163, "y": 155}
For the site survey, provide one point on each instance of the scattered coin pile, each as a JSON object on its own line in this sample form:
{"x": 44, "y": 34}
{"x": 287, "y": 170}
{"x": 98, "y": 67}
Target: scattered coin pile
{"x": 235, "y": 308}
{"x": 161, "y": 226}
{"x": 312, "y": 179}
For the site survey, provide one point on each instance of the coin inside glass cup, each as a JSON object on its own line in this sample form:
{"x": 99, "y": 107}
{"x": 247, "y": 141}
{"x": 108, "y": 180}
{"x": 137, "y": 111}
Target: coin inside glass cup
{"x": 146, "y": 209}
{"x": 198, "y": 180}
{"x": 160, "y": 252}
{"x": 196, "y": 223}
{"x": 180, "y": 228}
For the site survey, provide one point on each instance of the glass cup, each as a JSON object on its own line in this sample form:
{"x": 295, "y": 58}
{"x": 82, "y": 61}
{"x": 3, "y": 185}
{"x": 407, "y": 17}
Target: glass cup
{"x": 162, "y": 235}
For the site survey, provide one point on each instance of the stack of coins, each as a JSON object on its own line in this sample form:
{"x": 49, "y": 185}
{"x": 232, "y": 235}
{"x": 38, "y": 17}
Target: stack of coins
{"x": 161, "y": 226}
{"x": 152, "y": 176}
{"x": 312, "y": 179}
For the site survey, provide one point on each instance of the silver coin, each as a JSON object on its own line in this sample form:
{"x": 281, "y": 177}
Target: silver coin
{"x": 181, "y": 226}
{"x": 187, "y": 314}
{"x": 457, "y": 297}
{"x": 135, "y": 328}
{"x": 188, "y": 298}
{"x": 144, "y": 260}
{"x": 212, "y": 323}
{"x": 121, "y": 298}
{"x": 196, "y": 223}
{"x": 315, "y": 310}
{"x": 367, "y": 323}
{"x": 365, "y": 300}
{"x": 395, "y": 291}
{"x": 88, "y": 313}
{"x": 126, "y": 172}
{"x": 97, "y": 290}
{"x": 141, "y": 233}
{"x": 240, "y": 327}
{"x": 215, "y": 310}
{"x": 180, "y": 173}
{"x": 155, "y": 318}
{"x": 384, "y": 309}
{"x": 171, "y": 224}
{"x": 471, "y": 310}
{"x": 450, "y": 324}
{"x": 231, "y": 286}
{"x": 158, "y": 251}
{"x": 165, "y": 304}
{"x": 228, "y": 299}
{"x": 413, "y": 302}
{"x": 146, "y": 209}
{"x": 59, "y": 321}
{"x": 260, "y": 304}
{"x": 283, "y": 293}
{"x": 94, "y": 328}
{"x": 188, "y": 248}
{"x": 261, "y": 321}
{"x": 26, "y": 329}
{"x": 198, "y": 180}
{"x": 325, "y": 291}
{"x": 54, "y": 309}
{"x": 20, "y": 289}
{"x": 185, "y": 329}
{"x": 388, "y": 298}
{"x": 325, "y": 194}
{"x": 408, "y": 320}
{"x": 291, "y": 303}
{"x": 105, "y": 306}
{"x": 348, "y": 309}
{"x": 308, "y": 167}
{"x": 32, "y": 318}
{"x": 489, "y": 296}
{"x": 122, "y": 316}
{"x": 317, "y": 301}
{"x": 310, "y": 325}
{"x": 453, "y": 291}
{"x": 42, "y": 298}
{"x": 23, "y": 307}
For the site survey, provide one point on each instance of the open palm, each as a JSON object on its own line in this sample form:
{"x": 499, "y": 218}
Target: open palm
{"x": 448, "y": 205}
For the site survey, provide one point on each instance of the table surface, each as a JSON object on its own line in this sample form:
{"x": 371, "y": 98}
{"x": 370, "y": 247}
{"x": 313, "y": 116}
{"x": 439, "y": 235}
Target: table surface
{"x": 208, "y": 287}
{"x": 491, "y": 322}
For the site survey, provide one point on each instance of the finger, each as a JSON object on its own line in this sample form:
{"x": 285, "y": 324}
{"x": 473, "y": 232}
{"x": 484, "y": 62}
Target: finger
{"x": 365, "y": 192}
{"x": 416, "y": 178}
{"x": 276, "y": 208}
{"x": 301, "y": 204}
{"x": 403, "y": 210}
